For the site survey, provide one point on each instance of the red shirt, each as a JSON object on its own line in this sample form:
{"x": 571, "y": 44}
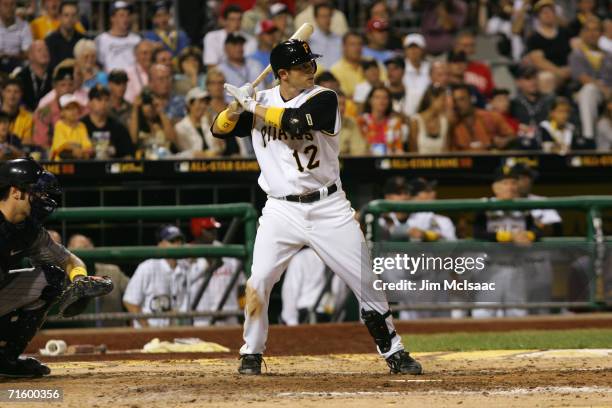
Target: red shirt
{"x": 479, "y": 75}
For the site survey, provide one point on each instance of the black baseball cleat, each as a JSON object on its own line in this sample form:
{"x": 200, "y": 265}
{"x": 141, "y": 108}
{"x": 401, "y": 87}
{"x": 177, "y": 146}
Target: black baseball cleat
{"x": 250, "y": 364}
{"x": 23, "y": 368}
{"x": 402, "y": 363}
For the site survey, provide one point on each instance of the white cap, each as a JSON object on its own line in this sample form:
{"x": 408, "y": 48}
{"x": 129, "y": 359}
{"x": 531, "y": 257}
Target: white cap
{"x": 196, "y": 93}
{"x": 67, "y": 99}
{"x": 278, "y": 8}
{"x": 414, "y": 39}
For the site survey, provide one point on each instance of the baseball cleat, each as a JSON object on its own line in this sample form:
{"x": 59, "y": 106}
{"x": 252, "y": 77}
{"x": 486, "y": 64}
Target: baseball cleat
{"x": 23, "y": 368}
{"x": 402, "y": 363}
{"x": 250, "y": 364}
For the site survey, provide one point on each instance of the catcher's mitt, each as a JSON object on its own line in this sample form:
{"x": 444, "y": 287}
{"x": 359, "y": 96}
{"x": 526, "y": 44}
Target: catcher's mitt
{"x": 76, "y": 296}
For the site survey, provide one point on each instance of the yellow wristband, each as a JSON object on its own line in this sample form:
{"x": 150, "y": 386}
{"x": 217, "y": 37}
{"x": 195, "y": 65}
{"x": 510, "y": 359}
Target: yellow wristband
{"x": 224, "y": 123}
{"x": 77, "y": 271}
{"x": 531, "y": 235}
{"x": 503, "y": 236}
{"x": 431, "y": 236}
{"x": 274, "y": 116}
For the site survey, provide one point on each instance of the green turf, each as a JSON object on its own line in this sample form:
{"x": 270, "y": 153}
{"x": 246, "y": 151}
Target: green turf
{"x": 516, "y": 340}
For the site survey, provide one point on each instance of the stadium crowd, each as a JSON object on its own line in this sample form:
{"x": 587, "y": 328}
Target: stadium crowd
{"x": 131, "y": 92}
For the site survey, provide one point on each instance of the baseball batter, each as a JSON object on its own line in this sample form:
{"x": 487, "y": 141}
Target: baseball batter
{"x": 294, "y": 129}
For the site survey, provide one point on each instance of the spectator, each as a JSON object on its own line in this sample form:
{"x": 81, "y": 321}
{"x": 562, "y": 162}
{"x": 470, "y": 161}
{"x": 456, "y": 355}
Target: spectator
{"x": 268, "y": 36}
{"x": 85, "y": 57}
{"x": 190, "y": 71}
{"x": 547, "y": 83}
{"x": 193, "y": 136}
{"x": 457, "y": 66}
{"x": 351, "y": 140}
{"x": 440, "y": 22}
{"x": 172, "y": 40}
{"x": 254, "y": 16}
{"x": 119, "y": 108}
{"x": 138, "y": 73}
{"x": 378, "y": 9}
{"x": 163, "y": 57}
{"x": 76, "y": 88}
{"x": 20, "y": 119}
{"x": 159, "y": 285}
{"x": 474, "y": 129}
{"x": 327, "y": 80}
{"x": 150, "y": 128}
{"x": 377, "y": 36}
{"x": 605, "y": 41}
{"x": 110, "y": 138}
{"x": 585, "y": 10}
{"x": 323, "y": 40}
{"x": 36, "y": 76}
{"x": 112, "y": 302}
{"x": 382, "y": 128}
{"x": 160, "y": 83}
{"x": 604, "y": 128}
{"x": 16, "y": 37}
{"x": 338, "y": 22}
{"x": 10, "y": 144}
{"x": 476, "y": 73}
{"x": 348, "y": 70}
{"x": 426, "y": 225}
{"x": 70, "y": 138}
{"x": 549, "y": 46}
{"x": 591, "y": 69}
{"x": 62, "y": 41}
{"x": 500, "y": 103}
{"x": 417, "y": 74}
{"x": 499, "y": 24}
{"x": 214, "y": 51}
{"x": 396, "y": 69}
{"x": 371, "y": 72}
{"x": 429, "y": 128}
{"x": 51, "y": 20}
{"x": 439, "y": 75}
{"x": 557, "y": 134}
{"x": 116, "y": 46}
{"x": 236, "y": 69}
{"x": 281, "y": 16}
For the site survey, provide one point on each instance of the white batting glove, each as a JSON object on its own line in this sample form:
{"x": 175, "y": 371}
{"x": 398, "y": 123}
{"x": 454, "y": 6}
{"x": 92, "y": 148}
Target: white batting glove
{"x": 248, "y": 88}
{"x": 242, "y": 97}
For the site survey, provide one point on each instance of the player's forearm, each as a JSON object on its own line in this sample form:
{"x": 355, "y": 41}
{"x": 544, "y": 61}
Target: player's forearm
{"x": 75, "y": 267}
{"x": 136, "y": 309}
{"x": 225, "y": 121}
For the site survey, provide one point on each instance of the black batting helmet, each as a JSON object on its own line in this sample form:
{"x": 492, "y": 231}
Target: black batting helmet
{"x": 291, "y": 53}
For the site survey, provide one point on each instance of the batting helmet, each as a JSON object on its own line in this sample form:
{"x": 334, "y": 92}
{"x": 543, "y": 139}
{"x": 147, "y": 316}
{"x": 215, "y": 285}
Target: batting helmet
{"x": 291, "y": 53}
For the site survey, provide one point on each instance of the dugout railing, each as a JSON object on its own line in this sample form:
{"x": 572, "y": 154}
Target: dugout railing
{"x": 594, "y": 241}
{"x": 242, "y": 214}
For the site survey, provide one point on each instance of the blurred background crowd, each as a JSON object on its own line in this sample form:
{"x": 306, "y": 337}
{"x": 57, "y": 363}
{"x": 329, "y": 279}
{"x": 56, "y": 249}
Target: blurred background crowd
{"x": 144, "y": 79}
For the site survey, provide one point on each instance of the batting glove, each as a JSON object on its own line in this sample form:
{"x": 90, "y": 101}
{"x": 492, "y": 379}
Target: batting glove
{"x": 242, "y": 97}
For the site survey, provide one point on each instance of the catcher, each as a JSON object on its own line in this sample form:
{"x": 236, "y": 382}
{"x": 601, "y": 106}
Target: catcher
{"x": 27, "y": 194}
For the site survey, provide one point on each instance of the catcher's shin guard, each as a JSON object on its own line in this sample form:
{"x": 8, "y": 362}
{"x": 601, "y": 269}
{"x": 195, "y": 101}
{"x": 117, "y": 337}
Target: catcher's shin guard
{"x": 377, "y": 326}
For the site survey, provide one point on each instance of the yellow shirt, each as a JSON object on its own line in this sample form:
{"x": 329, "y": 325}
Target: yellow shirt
{"x": 349, "y": 75}
{"x": 43, "y": 25}
{"x": 65, "y": 134}
{"x": 22, "y": 125}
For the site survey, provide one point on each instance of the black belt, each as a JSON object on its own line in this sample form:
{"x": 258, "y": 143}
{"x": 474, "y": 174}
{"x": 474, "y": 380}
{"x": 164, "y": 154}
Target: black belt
{"x": 311, "y": 197}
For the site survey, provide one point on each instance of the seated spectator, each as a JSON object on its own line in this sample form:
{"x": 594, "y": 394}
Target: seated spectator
{"x": 351, "y": 140}
{"x": 591, "y": 70}
{"x": 267, "y": 37}
{"x": 112, "y": 302}
{"x": 323, "y": 40}
{"x": 547, "y": 83}
{"x": 585, "y": 10}
{"x": 151, "y": 129}
{"x": 36, "y": 75}
{"x": 160, "y": 84}
{"x": 120, "y": 109}
{"x": 417, "y": 74}
{"x": 70, "y": 138}
{"x": 439, "y": 74}
{"x": 85, "y": 64}
{"x": 440, "y": 22}
{"x": 558, "y": 134}
{"x": 51, "y": 19}
{"x": 477, "y": 73}
{"x": 193, "y": 136}
{"x": 138, "y": 73}
{"x": 429, "y": 128}
{"x": 252, "y": 17}
{"x": 20, "y": 118}
{"x": 371, "y": 73}
{"x": 76, "y": 86}
{"x": 190, "y": 71}
{"x": 425, "y": 225}
{"x": 236, "y": 68}
{"x": 605, "y": 41}
{"x": 604, "y": 128}
{"x": 377, "y": 36}
{"x": 16, "y": 37}
{"x": 172, "y": 40}
{"x": 475, "y": 129}
{"x": 348, "y": 70}
{"x": 327, "y": 80}
{"x": 61, "y": 42}
{"x": 381, "y": 127}
{"x": 162, "y": 56}
{"x": 549, "y": 46}
{"x": 10, "y": 144}
{"x": 159, "y": 285}
{"x": 379, "y": 9}
{"x": 338, "y": 22}
{"x": 282, "y": 19}
{"x": 457, "y": 66}
{"x": 500, "y": 103}
{"x": 214, "y": 41}
{"x": 116, "y": 46}
{"x": 110, "y": 138}
{"x": 395, "y": 82}
{"x": 498, "y": 22}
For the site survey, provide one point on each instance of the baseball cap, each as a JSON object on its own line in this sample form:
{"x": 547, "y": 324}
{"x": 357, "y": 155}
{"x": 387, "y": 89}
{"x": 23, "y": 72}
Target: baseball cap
{"x": 196, "y": 93}
{"x": 421, "y": 184}
{"x": 170, "y": 233}
{"x": 503, "y": 172}
{"x": 120, "y": 5}
{"x": 377, "y": 24}
{"x": 265, "y": 27}
{"x": 160, "y": 6}
{"x": 414, "y": 39}
{"x": 277, "y": 9}
{"x": 98, "y": 91}
{"x": 65, "y": 72}
{"x": 521, "y": 169}
{"x": 118, "y": 76}
{"x": 68, "y": 99}
{"x": 234, "y": 39}
{"x": 396, "y": 185}
{"x": 203, "y": 223}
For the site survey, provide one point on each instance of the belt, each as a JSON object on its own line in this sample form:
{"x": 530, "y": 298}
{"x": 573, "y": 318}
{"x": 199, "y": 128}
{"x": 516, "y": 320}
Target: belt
{"x": 312, "y": 197}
